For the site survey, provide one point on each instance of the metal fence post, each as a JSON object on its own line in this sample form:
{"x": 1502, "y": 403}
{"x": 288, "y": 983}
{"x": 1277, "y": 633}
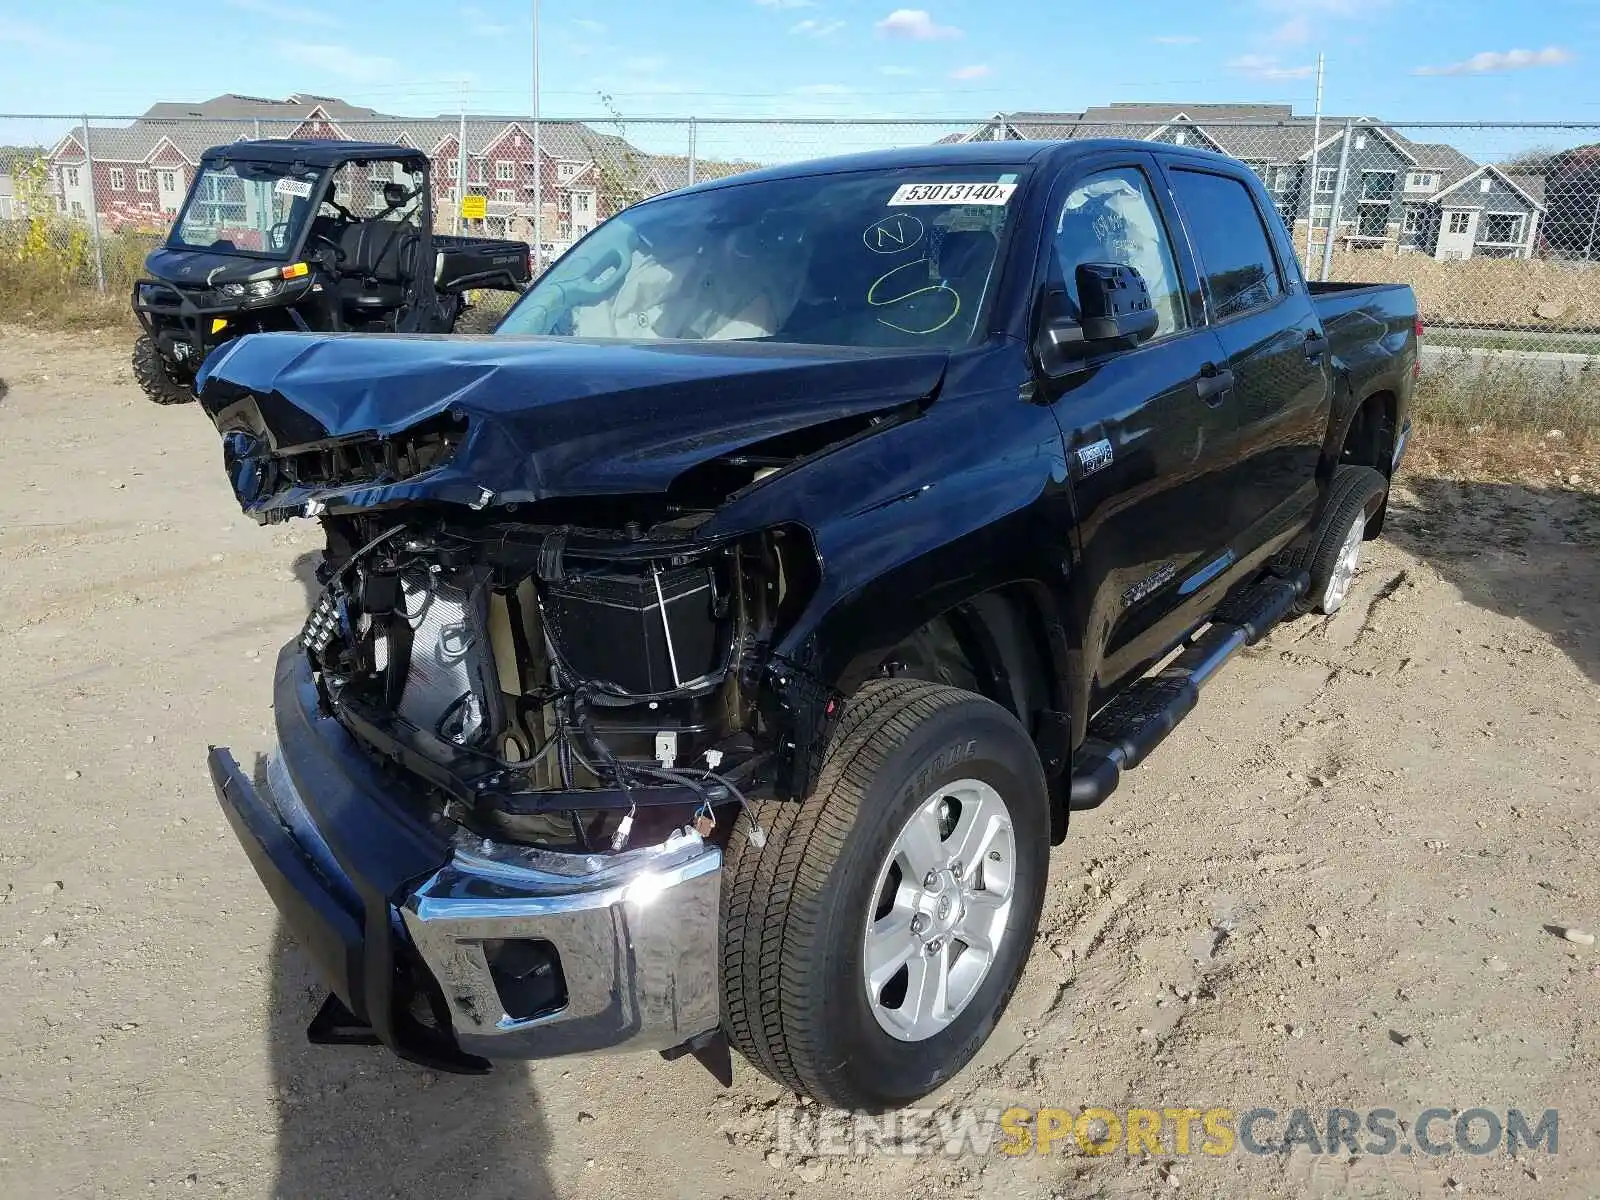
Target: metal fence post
{"x": 94, "y": 214}
{"x": 692, "y": 151}
{"x": 1338, "y": 201}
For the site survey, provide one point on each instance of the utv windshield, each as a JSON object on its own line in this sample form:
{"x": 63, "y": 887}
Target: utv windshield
{"x": 870, "y": 258}
{"x": 246, "y": 208}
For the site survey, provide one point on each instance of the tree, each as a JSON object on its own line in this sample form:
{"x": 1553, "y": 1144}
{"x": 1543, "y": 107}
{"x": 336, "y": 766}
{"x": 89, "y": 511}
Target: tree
{"x": 1572, "y": 203}
{"x": 1535, "y": 160}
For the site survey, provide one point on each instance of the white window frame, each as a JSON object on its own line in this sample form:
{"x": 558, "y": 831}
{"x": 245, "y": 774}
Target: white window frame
{"x": 1331, "y": 174}
{"x": 505, "y": 171}
{"x": 1415, "y": 221}
{"x": 69, "y": 177}
{"x": 505, "y": 195}
{"x": 1422, "y": 181}
{"x": 119, "y": 179}
{"x": 1466, "y": 222}
{"x": 141, "y": 180}
{"x": 1522, "y": 227}
{"x": 1485, "y": 183}
{"x": 1321, "y": 211}
{"x": 169, "y": 181}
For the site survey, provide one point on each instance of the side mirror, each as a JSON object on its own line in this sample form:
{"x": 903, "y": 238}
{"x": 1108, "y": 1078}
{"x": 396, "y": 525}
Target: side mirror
{"x": 1115, "y": 313}
{"x": 1115, "y": 301}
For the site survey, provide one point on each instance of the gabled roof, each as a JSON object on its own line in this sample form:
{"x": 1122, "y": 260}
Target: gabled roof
{"x": 1490, "y": 167}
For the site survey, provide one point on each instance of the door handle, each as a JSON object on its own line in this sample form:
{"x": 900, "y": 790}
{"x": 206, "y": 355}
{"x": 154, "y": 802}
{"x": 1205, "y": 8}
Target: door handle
{"x": 1316, "y": 345}
{"x": 1214, "y": 384}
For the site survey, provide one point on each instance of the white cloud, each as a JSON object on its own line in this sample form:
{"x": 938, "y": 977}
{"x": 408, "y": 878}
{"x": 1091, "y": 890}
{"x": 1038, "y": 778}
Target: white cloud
{"x": 915, "y": 25}
{"x": 1267, "y": 66}
{"x": 289, "y": 14}
{"x": 1494, "y": 61}
{"x": 816, "y": 29}
{"x": 338, "y": 60}
{"x": 896, "y": 72}
{"x": 976, "y": 71}
{"x": 1296, "y": 31}
{"x": 1325, "y": 8}
{"x": 1176, "y": 39}
{"x": 481, "y": 24}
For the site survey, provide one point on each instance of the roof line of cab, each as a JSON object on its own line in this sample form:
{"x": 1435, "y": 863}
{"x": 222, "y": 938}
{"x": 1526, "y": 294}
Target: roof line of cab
{"x": 993, "y": 154}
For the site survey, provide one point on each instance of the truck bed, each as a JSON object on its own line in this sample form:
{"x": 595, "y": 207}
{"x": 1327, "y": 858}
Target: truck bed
{"x": 478, "y": 262}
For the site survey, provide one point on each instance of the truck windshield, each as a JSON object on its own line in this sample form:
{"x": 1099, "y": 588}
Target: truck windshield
{"x": 870, "y": 258}
{"x": 246, "y": 208}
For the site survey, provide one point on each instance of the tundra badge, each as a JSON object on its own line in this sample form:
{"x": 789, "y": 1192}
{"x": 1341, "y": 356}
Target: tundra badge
{"x": 1096, "y": 456}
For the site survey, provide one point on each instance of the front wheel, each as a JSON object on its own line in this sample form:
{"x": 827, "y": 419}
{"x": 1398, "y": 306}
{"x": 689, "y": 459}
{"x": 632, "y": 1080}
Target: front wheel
{"x": 870, "y": 946}
{"x": 157, "y": 376}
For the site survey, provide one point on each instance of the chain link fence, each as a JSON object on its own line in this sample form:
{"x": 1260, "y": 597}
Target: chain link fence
{"x": 1496, "y": 226}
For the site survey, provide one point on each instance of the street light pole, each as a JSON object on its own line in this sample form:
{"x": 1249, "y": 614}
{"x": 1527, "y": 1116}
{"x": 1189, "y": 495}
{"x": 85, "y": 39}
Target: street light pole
{"x": 538, "y": 190}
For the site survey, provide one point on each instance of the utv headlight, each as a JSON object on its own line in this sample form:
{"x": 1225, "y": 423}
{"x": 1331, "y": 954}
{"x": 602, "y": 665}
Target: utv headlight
{"x": 263, "y": 288}
{"x": 231, "y": 290}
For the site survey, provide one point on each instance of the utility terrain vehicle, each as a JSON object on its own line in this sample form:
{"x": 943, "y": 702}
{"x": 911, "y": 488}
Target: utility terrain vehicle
{"x": 311, "y": 236}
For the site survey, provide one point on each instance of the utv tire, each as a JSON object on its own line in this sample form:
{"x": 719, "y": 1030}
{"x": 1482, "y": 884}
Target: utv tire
{"x": 801, "y": 913}
{"x": 156, "y": 377}
{"x": 1334, "y": 551}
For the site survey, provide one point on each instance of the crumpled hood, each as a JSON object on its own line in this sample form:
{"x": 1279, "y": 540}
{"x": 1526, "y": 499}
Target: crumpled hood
{"x": 543, "y": 417}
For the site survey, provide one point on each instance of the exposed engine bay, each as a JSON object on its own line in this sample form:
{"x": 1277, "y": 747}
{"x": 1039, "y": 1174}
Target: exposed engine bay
{"x": 572, "y": 689}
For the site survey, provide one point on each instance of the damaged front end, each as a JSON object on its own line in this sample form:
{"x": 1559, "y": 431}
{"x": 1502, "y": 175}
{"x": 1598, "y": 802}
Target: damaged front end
{"x": 544, "y": 676}
{"x": 580, "y": 690}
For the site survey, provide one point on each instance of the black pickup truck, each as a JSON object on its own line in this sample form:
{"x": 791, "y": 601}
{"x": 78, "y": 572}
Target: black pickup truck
{"x": 712, "y": 655}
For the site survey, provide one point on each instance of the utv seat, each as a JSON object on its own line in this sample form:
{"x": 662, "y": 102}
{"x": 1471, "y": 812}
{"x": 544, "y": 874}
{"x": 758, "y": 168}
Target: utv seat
{"x": 376, "y": 254}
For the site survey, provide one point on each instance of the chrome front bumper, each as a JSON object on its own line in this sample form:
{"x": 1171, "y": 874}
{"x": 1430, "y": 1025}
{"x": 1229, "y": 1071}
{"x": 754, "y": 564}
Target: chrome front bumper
{"x": 635, "y": 935}
{"x": 632, "y": 935}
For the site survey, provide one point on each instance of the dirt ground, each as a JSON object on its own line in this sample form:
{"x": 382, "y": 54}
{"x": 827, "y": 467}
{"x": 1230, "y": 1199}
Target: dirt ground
{"x": 1348, "y": 859}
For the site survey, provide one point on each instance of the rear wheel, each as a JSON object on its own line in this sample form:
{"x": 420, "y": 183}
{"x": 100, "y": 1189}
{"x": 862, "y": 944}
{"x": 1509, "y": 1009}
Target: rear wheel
{"x": 156, "y": 376}
{"x": 870, "y": 946}
{"x": 1334, "y": 552}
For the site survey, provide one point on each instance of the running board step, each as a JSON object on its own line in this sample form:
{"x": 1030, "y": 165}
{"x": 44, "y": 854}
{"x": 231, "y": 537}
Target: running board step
{"x": 1140, "y": 717}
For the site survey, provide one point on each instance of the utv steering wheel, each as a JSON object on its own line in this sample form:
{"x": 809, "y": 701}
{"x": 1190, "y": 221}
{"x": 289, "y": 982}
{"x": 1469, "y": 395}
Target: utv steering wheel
{"x": 338, "y": 251}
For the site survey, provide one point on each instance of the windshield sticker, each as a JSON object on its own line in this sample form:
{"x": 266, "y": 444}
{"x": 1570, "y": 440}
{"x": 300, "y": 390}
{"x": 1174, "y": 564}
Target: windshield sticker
{"x": 893, "y": 234}
{"x": 952, "y": 193}
{"x": 292, "y": 187}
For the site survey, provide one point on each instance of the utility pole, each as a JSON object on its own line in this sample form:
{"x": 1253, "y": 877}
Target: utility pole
{"x": 538, "y": 191}
{"x": 461, "y": 158}
{"x": 1316, "y": 140}
{"x": 1594, "y": 219}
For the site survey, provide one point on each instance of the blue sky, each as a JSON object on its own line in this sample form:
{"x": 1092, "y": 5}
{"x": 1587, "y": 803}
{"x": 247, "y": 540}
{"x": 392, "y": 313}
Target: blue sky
{"x": 1399, "y": 59}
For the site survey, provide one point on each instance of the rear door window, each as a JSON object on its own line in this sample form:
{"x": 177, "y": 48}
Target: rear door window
{"x": 1236, "y": 261}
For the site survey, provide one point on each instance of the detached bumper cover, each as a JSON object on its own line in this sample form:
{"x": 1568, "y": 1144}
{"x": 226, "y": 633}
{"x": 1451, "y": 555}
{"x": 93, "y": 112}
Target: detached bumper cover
{"x": 402, "y": 922}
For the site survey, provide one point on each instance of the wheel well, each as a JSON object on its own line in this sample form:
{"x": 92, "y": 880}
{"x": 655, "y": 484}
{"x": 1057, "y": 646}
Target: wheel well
{"x": 990, "y": 644}
{"x": 1369, "y": 438}
{"x": 1003, "y": 644}
{"x": 1369, "y": 442}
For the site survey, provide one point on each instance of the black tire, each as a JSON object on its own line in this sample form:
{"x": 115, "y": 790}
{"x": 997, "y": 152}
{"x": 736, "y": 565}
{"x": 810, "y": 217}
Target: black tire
{"x": 156, "y": 376}
{"x": 1357, "y": 493}
{"x": 794, "y": 911}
